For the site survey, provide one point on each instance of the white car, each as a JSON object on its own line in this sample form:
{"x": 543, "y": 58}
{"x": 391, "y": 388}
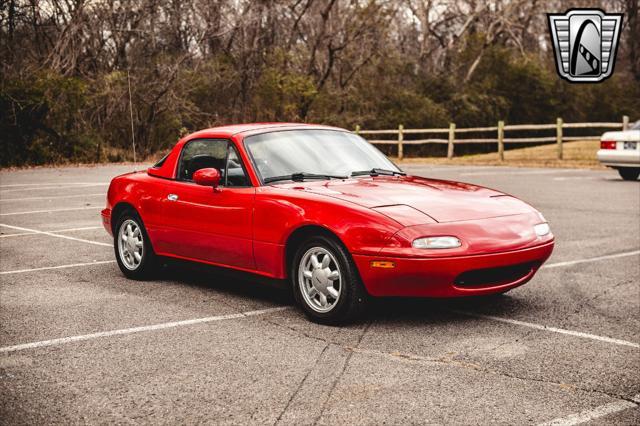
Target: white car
{"x": 621, "y": 151}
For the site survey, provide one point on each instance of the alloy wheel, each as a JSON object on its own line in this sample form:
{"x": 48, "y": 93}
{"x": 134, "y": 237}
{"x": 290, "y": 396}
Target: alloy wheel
{"x": 319, "y": 279}
{"x": 130, "y": 244}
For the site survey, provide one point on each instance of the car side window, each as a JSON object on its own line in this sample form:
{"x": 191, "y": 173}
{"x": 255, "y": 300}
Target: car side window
{"x": 213, "y": 153}
{"x": 235, "y": 174}
{"x": 202, "y": 154}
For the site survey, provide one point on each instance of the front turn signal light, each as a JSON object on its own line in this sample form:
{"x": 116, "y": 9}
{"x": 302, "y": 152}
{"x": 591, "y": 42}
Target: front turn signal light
{"x": 382, "y": 264}
{"x": 445, "y": 242}
{"x": 542, "y": 229}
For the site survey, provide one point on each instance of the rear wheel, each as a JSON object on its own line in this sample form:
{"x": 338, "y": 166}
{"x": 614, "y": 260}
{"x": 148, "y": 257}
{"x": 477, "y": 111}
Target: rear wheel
{"x": 133, "y": 250}
{"x": 629, "y": 173}
{"x": 326, "y": 283}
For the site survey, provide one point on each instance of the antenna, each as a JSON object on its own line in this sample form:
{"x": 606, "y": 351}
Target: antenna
{"x": 133, "y": 136}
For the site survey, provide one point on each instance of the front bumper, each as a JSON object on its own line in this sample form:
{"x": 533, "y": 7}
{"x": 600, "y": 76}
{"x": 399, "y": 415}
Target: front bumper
{"x": 619, "y": 158}
{"x": 441, "y": 277}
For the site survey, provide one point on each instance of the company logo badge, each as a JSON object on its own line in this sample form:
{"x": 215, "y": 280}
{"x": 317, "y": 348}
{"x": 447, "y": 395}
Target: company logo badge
{"x": 585, "y": 42}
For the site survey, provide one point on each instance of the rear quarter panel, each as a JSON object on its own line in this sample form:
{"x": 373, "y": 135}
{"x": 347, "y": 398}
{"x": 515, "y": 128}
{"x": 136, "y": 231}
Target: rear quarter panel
{"x": 144, "y": 193}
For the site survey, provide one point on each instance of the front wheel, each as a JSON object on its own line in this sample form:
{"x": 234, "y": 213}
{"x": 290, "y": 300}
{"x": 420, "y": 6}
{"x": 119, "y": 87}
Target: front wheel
{"x": 326, "y": 283}
{"x": 629, "y": 173}
{"x": 133, "y": 250}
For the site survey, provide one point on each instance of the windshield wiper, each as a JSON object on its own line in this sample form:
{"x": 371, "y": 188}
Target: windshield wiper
{"x": 377, "y": 172}
{"x": 300, "y": 176}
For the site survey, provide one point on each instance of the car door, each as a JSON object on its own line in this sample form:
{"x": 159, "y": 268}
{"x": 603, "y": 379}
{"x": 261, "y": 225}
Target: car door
{"x": 207, "y": 224}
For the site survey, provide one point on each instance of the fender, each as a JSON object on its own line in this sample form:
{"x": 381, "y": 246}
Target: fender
{"x": 361, "y": 230}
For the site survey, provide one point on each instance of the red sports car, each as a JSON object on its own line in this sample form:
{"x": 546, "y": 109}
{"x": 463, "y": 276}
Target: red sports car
{"x": 322, "y": 209}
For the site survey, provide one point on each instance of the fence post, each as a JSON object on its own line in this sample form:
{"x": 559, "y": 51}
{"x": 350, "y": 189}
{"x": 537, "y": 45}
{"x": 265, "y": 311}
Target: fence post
{"x": 452, "y": 137}
{"x": 559, "y": 137}
{"x": 357, "y": 129}
{"x": 400, "y": 140}
{"x": 625, "y": 122}
{"x": 501, "y": 140}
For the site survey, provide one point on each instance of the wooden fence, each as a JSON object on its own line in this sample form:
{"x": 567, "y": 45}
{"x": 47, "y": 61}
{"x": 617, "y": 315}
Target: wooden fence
{"x": 499, "y": 130}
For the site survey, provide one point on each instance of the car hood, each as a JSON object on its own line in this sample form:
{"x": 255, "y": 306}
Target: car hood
{"x": 412, "y": 200}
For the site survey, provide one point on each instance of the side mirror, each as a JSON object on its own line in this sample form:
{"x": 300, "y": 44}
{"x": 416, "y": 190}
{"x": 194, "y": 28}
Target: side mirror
{"x": 207, "y": 177}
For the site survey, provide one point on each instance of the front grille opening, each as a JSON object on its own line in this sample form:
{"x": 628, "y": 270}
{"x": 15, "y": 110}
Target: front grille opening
{"x": 494, "y": 276}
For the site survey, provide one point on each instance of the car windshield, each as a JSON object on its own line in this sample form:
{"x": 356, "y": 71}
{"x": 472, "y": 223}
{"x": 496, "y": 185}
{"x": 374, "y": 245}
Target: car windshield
{"x": 324, "y": 153}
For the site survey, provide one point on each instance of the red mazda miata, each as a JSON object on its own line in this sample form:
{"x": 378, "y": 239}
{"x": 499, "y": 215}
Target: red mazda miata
{"x": 322, "y": 209}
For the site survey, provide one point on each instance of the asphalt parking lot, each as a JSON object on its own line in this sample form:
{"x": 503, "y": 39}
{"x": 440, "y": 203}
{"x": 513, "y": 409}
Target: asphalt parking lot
{"x": 79, "y": 343}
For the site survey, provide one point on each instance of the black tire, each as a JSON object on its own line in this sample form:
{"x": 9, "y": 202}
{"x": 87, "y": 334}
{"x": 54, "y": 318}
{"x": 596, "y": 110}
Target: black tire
{"x": 147, "y": 266}
{"x": 353, "y": 298}
{"x": 629, "y": 173}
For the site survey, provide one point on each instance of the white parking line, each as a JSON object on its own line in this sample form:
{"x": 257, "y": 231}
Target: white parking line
{"x": 53, "y": 231}
{"x": 54, "y": 197}
{"x": 510, "y": 172}
{"x": 552, "y": 329}
{"x": 162, "y": 326}
{"x": 61, "y": 186}
{"x": 594, "y": 413}
{"x": 576, "y": 178}
{"x": 61, "y": 183}
{"x": 50, "y": 211}
{"x": 46, "y": 268}
{"x": 51, "y": 234}
{"x": 591, "y": 259}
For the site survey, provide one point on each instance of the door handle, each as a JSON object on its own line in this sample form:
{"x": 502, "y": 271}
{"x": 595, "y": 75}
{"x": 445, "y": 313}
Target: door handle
{"x": 172, "y": 197}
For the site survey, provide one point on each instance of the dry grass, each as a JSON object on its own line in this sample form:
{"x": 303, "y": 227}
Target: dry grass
{"x": 579, "y": 154}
